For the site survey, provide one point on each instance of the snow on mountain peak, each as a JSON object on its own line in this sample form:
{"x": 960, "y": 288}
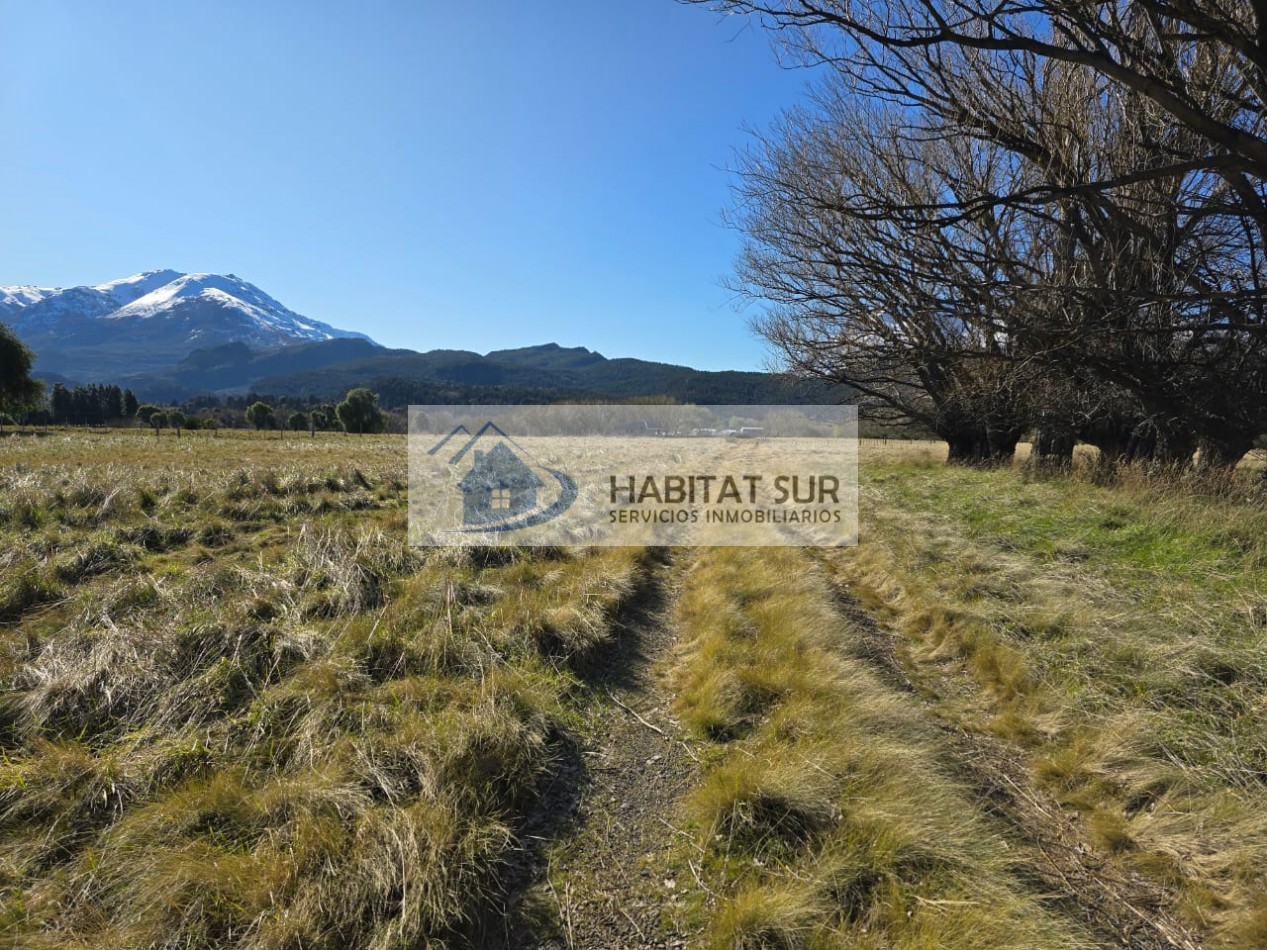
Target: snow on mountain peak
{"x": 206, "y": 305}
{"x": 230, "y": 292}
{"x": 15, "y": 298}
{"x": 127, "y": 289}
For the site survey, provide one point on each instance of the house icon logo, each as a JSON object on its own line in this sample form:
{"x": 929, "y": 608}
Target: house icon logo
{"x": 500, "y": 491}
{"x": 499, "y": 484}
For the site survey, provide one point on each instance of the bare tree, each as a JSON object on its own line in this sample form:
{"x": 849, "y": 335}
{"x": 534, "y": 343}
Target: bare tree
{"x": 1148, "y": 304}
{"x": 872, "y": 288}
{"x": 1203, "y": 64}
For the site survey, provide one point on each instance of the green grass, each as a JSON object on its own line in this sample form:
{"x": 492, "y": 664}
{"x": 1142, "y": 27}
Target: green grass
{"x": 1115, "y": 633}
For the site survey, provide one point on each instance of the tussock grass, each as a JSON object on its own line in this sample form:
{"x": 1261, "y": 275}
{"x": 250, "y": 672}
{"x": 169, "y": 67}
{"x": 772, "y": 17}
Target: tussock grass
{"x": 22, "y": 588}
{"x": 830, "y": 817}
{"x": 1114, "y": 631}
{"x": 759, "y": 918}
{"x": 239, "y": 711}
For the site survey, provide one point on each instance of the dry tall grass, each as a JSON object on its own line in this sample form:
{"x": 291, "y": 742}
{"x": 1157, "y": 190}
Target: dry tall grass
{"x": 831, "y": 818}
{"x": 239, "y": 711}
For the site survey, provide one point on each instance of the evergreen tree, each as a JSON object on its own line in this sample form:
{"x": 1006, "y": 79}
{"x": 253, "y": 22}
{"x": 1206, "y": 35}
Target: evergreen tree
{"x": 260, "y": 415}
{"x": 18, "y": 391}
{"x": 359, "y": 412}
{"x": 60, "y": 404}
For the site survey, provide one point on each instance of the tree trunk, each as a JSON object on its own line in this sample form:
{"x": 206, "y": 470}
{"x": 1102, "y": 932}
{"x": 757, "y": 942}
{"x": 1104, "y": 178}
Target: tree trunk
{"x": 965, "y": 449}
{"x": 1112, "y": 439}
{"x": 1172, "y": 448}
{"x": 1053, "y": 446}
{"x": 968, "y": 446}
{"x": 1222, "y": 452}
{"x": 1001, "y": 445}
{"x": 976, "y": 447}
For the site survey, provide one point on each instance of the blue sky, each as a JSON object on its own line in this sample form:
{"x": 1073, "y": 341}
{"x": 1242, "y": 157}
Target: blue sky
{"x": 459, "y": 175}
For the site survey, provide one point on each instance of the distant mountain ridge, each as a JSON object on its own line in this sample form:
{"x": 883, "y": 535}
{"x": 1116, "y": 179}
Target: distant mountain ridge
{"x": 544, "y": 373}
{"x": 171, "y": 336}
{"x": 150, "y": 321}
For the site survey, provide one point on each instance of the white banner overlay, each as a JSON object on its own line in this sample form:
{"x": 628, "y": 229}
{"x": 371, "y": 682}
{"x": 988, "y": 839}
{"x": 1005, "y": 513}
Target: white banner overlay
{"x": 633, "y": 475}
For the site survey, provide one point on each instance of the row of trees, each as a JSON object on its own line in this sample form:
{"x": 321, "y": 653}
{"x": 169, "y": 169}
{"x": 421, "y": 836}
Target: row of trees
{"x": 1016, "y": 216}
{"x": 159, "y": 419}
{"x": 91, "y": 405}
{"x": 22, "y": 396}
{"x": 358, "y": 413}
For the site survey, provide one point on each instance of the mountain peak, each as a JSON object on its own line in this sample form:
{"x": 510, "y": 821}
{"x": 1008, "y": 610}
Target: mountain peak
{"x": 549, "y": 356}
{"x": 160, "y": 294}
{"x": 155, "y": 318}
{"x": 127, "y": 289}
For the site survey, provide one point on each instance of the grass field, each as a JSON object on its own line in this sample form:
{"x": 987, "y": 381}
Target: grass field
{"x": 239, "y": 711}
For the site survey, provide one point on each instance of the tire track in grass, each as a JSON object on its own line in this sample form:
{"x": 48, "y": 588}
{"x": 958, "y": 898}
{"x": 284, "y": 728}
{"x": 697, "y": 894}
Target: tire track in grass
{"x": 829, "y": 814}
{"x": 1123, "y": 907}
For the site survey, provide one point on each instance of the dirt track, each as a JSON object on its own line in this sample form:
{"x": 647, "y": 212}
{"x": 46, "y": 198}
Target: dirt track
{"x": 602, "y": 880}
{"x": 599, "y": 852}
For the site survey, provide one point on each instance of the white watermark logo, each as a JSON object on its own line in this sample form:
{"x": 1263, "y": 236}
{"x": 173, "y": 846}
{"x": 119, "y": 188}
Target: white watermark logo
{"x": 633, "y": 475}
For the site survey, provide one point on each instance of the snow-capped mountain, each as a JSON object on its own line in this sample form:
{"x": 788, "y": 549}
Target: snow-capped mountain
{"x": 127, "y": 289}
{"x": 149, "y": 321}
{"x": 15, "y": 298}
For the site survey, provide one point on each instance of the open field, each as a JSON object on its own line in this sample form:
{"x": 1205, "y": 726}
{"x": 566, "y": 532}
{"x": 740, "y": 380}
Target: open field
{"x": 239, "y": 711}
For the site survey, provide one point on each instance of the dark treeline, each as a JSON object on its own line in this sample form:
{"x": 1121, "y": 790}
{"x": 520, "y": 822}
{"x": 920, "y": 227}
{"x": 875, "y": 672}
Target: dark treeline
{"x": 110, "y": 405}
{"x": 402, "y": 391}
{"x": 1014, "y": 219}
{"x": 358, "y": 412}
{"x": 93, "y": 405}
{"x": 104, "y": 405}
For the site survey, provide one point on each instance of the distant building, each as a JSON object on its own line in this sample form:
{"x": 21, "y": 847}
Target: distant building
{"x": 498, "y": 485}
{"x": 638, "y": 427}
